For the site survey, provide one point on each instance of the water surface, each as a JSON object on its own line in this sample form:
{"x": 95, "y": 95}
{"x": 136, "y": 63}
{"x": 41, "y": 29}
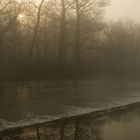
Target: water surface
{"x": 30, "y": 102}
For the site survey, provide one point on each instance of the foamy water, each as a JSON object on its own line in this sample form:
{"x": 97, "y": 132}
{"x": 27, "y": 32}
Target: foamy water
{"x": 24, "y": 103}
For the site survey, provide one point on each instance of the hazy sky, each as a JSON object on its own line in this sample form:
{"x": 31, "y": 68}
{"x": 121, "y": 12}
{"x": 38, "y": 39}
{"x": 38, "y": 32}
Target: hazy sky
{"x": 123, "y": 8}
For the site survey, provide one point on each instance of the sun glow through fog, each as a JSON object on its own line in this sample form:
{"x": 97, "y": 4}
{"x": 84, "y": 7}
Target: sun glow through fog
{"x": 22, "y": 19}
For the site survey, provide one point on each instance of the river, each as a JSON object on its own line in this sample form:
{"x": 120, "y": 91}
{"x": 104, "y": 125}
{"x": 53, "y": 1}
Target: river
{"x": 30, "y": 102}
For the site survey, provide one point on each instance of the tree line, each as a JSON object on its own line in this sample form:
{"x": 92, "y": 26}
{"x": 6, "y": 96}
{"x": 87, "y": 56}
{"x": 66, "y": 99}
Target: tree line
{"x": 64, "y": 38}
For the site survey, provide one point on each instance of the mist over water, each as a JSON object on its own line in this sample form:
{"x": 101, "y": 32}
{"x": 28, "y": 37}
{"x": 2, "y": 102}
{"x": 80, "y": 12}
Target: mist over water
{"x": 61, "y": 59}
{"x": 31, "y": 102}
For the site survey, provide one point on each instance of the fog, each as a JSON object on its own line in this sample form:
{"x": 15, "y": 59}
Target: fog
{"x": 60, "y": 58}
{"x": 68, "y": 39}
{"x": 123, "y": 8}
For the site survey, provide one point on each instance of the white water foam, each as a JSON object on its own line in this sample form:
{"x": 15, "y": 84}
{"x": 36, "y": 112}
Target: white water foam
{"x": 31, "y": 119}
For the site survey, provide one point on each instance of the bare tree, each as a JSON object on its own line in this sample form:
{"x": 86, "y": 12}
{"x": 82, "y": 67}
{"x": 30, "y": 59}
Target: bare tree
{"x": 89, "y": 10}
{"x": 9, "y": 11}
{"x": 63, "y": 36}
{"x": 34, "y": 41}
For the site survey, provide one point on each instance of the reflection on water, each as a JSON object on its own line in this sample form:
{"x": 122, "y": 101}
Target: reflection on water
{"x": 22, "y": 93}
{"x": 122, "y": 130}
{"x": 116, "y": 124}
{"x": 122, "y": 126}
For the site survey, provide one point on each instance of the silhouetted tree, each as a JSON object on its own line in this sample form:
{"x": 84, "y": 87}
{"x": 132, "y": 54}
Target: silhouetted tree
{"x": 34, "y": 41}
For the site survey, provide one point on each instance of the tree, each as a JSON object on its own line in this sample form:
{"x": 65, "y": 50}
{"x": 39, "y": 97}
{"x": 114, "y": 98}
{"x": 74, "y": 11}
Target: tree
{"x": 9, "y": 11}
{"x": 62, "y": 43}
{"x": 89, "y": 11}
{"x": 122, "y": 46}
{"x": 34, "y": 41}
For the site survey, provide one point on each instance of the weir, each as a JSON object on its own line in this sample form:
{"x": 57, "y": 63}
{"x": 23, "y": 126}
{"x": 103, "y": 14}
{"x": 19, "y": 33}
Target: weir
{"x": 86, "y": 126}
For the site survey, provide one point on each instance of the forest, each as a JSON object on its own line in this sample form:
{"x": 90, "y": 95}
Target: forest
{"x": 59, "y": 39}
